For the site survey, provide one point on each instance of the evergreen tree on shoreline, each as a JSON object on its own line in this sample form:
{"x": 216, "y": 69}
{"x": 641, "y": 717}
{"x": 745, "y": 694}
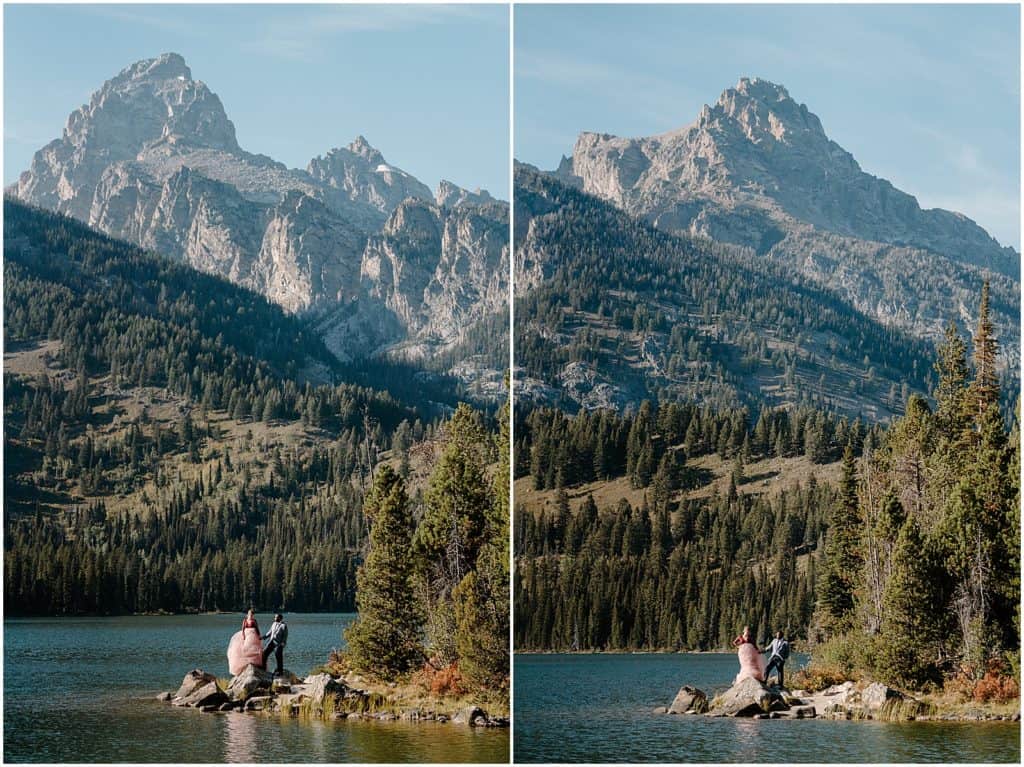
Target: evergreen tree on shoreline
{"x": 385, "y": 638}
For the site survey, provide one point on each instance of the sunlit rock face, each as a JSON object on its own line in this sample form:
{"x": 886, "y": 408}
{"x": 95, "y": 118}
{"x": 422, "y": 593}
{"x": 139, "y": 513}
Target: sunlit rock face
{"x": 153, "y": 159}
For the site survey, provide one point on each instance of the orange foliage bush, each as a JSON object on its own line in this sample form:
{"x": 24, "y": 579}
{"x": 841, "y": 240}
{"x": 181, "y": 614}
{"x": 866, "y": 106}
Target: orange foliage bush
{"x": 445, "y": 680}
{"x": 996, "y": 686}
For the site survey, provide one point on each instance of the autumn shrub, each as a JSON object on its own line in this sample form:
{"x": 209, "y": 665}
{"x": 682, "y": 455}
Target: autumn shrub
{"x": 997, "y": 686}
{"x": 817, "y": 676}
{"x": 441, "y": 680}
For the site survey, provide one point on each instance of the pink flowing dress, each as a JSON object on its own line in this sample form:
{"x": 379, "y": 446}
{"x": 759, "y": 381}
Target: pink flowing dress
{"x": 245, "y": 650}
{"x": 751, "y": 662}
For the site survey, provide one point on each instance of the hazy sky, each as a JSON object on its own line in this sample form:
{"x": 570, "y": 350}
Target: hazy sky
{"x": 927, "y": 97}
{"x": 426, "y": 85}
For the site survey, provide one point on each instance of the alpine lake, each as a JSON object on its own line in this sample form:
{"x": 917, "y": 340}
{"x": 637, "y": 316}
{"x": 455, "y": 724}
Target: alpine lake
{"x": 83, "y": 690}
{"x": 600, "y": 708}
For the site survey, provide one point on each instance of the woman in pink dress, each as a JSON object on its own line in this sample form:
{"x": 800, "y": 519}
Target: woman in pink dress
{"x": 751, "y": 660}
{"x": 246, "y": 646}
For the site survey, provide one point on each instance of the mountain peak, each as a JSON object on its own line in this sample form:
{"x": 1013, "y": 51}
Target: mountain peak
{"x": 762, "y": 90}
{"x": 452, "y": 195}
{"x": 762, "y": 108}
{"x": 361, "y": 147}
{"x": 166, "y": 66}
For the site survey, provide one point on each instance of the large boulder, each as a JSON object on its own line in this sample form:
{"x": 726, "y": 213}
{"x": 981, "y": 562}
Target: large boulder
{"x": 207, "y": 695}
{"x": 319, "y": 686}
{"x": 474, "y": 716}
{"x": 876, "y": 695}
{"x": 748, "y": 697}
{"x": 247, "y": 682}
{"x": 689, "y": 700}
{"x": 193, "y": 680}
{"x": 840, "y": 694}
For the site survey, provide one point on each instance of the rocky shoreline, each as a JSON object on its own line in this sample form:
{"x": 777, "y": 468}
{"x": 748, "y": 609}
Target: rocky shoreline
{"x": 320, "y": 696}
{"x": 872, "y": 701}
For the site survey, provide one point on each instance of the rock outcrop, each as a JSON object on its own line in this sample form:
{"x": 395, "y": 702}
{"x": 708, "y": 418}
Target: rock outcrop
{"x": 245, "y": 684}
{"x": 689, "y": 700}
{"x": 748, "y": 697}
{"x": 751, "y": 698}
{"x": 319, "y": 695}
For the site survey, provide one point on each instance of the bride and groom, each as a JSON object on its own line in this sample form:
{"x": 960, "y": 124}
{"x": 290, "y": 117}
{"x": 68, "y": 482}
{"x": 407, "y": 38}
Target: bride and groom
{"x": 246, "y": 646}
{"x": 752, "y": 662}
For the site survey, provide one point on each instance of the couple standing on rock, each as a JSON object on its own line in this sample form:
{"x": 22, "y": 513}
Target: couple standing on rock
{"x": 246, "y": 646}
{"x": 752, "y": 663}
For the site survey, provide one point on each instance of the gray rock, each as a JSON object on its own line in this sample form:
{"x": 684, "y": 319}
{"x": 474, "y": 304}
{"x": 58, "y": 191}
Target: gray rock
{"x": 473, "y": 716}
{"x": 747, "y": 697}
{"x": 804, "y": 712}
{"x": 660, "y": 710}
{"x": 207, "y": 695}
{"x": 689, "y": 700}
{"x": 244, "y": 684}
{"x": 166, "y": 697}
{"x": 193, "y": 680}
{"x": 259, "y": 703}
{"x": 840, "y": 694}
{"x": 318, "y": 686}
{"x": 876, "y": 695}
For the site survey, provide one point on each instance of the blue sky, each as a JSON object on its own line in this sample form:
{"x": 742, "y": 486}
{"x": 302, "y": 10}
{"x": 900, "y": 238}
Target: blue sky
{"x": 427, "y": 85}
{"x": 925, "y": 96}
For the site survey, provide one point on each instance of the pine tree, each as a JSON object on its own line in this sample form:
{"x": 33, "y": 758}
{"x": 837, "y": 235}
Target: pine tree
{"x": 985, "y": 387}
{"x": 385, "y": 638}
{"x": 907, "y": 653}
{"x": 458, "y": 502}
{"x": 950, "y": 392}
{"x": 481, "y": 599}
{"x": 843, "y": 561}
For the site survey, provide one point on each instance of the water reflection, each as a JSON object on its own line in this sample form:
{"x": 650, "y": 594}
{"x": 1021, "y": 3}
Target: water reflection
{"x": 240, "y": 738}
{"x": 747, "y": 734}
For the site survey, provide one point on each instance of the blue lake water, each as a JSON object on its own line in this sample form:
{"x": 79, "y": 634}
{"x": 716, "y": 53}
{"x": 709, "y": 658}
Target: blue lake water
{"x": 599, "y": 708}
{"x": 82, "y": 690}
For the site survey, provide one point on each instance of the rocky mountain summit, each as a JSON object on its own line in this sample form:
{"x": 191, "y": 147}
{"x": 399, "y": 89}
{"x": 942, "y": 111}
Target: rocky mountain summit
{"x": 757, "y": 170}
{"x": 153, "y": 159}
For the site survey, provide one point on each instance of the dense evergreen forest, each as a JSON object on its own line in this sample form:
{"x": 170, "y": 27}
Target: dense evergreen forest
{"x": 908, "y": 570}
{"x": 920, "y": 580}
{"x": 435, "y": 584}
{"x": 670, "y": 572}
{"x": 176, "y": 442}
{"x": 611, "y": 311}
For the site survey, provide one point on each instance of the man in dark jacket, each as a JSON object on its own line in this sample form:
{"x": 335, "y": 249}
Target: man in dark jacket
{"x": 278, "y": 636}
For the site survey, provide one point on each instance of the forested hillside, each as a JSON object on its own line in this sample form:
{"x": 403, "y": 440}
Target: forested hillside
{"x": 611, "y": 311}
{"x": 686, "y": 562}
{"x": 175, "y": 442}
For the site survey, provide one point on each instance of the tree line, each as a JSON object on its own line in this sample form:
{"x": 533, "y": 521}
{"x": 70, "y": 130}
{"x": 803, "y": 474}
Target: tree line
{"x": 921, "y": 576}
{"x": 433, "y": 586}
